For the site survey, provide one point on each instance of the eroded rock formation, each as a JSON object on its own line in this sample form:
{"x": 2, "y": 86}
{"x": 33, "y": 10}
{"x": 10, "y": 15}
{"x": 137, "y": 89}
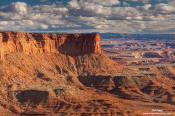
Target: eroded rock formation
{"x": 32, "y": 43}
{"x": 67, "y": 74}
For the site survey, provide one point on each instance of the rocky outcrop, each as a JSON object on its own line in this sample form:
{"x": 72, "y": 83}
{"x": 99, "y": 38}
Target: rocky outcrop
{"x": 151, "y": 55}
{"x": 32, "y": 43}
{"x": 42, "y": 73}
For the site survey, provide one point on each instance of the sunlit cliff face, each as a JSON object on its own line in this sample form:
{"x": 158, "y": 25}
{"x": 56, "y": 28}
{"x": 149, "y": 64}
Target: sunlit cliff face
{"x": 32, "y": 43}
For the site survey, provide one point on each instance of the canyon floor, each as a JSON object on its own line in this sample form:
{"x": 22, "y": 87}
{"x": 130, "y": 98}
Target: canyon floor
{"x": 110, "y": 83}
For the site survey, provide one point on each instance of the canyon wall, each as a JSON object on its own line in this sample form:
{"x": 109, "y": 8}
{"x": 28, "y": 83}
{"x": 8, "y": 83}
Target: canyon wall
{"x": 32, "y": 43}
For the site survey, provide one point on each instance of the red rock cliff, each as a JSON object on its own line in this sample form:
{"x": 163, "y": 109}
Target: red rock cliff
{"x": 70, "y": 44}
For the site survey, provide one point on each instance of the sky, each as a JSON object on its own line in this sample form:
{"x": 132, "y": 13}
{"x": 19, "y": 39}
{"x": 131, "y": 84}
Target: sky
{"x": 86, "y": 16}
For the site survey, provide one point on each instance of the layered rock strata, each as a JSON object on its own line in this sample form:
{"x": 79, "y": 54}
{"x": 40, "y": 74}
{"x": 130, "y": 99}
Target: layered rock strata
{"x": 32, "y": 43}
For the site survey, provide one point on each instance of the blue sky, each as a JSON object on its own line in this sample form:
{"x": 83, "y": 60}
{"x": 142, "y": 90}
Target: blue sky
{"x": 115, "y": 16}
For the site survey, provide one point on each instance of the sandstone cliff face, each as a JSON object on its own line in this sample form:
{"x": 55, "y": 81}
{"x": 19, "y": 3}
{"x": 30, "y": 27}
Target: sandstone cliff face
{"x": 32, "y": 43}
{"x": 75, "y": 53}
{"x": 41, "y": 74}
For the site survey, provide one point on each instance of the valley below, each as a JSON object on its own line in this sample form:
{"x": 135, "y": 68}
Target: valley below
{"x": 83, "y": 75}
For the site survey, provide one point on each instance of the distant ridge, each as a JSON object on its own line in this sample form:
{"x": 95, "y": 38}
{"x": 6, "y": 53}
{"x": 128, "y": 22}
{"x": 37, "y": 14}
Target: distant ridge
{"x": 137, "y": 36}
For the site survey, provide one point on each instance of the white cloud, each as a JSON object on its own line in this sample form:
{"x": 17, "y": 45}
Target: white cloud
{"x": 19, "y": 8}
{"x": 96, "y": 15}
{"x": 74, "y": 4}
{"x": 44, "y": 26}
{"x": 33, "y": 17}
{"x": 3, "y": 22}
{"x": 164, "y": 8}
{"x": 104, "y": 2}
{"x": 146, "y": 7}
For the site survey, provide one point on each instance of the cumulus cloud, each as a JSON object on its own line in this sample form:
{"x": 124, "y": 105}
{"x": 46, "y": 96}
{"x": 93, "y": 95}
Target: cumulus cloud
{"x": 19, "y": 7}
{"x": 104, "y": 2}
{"x": 20, "y": 16}
{"x": 164, "y": 8}
{"x": 147, "y": 1}
{"x": 82, "y": 3}
{"x": 74, "y": 4}
{"x": 90, "y": 15}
